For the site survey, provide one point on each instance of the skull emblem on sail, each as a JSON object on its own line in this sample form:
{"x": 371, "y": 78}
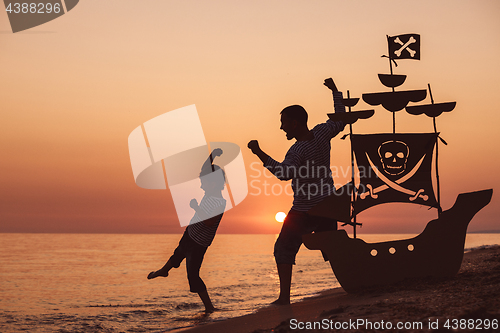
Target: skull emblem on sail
{"x": 393, "y": 155}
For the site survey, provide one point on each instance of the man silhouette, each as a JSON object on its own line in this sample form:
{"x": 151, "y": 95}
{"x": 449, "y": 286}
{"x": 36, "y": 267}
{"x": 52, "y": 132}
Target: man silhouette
{"x": 307, "y": 164}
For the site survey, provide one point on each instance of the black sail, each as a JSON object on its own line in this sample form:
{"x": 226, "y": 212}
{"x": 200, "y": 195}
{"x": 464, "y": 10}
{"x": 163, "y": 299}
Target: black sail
{"x": 394, "y": 168}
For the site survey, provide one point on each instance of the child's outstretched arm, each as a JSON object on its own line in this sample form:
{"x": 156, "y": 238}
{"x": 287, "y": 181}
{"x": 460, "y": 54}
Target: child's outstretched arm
{"x": 210, "y": 160}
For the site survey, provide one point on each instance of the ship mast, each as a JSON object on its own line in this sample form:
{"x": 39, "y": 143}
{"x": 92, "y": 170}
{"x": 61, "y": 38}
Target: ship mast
{"x": 438, "y": 189}
{"x": 434, "y": 110}
{"x": 353, "y": 191}
{"x": 340, "y": 205}
{"x": 350, "y": 118}
{"x": 393, "y": 90}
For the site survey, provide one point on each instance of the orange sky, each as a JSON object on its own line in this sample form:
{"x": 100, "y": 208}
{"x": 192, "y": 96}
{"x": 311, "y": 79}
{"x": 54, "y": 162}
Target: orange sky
{"x": 73, "y": 89}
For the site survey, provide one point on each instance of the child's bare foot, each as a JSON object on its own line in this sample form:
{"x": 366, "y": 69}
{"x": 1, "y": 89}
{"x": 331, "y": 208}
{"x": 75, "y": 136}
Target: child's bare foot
{"x": 155, "y": 274}
{"x": 210, "y": 310}
{"x": 281, "y": 302}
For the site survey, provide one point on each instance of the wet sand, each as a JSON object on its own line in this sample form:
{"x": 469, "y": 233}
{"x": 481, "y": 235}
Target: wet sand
{"x": 469, "y": 300}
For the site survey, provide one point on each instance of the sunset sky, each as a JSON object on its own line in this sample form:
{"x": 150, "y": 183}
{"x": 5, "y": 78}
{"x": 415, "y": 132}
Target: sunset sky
{"x": 73, "y": 89}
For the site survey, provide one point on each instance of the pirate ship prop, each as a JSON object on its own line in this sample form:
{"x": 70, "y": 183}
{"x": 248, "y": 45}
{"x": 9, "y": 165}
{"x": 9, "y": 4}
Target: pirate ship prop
{"x": 394, "y": 167}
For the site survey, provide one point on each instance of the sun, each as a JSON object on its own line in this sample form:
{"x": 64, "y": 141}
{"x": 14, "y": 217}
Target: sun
{"x": 280, "y": 217}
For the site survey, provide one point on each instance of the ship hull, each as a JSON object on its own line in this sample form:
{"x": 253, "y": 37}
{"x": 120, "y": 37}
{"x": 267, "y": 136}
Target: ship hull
{"x": 437, "y": 251}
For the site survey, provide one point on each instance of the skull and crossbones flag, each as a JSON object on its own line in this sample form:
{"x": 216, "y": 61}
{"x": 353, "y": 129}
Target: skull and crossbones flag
{"x": 404, "y": 46}
{"x": 394, "y": 168}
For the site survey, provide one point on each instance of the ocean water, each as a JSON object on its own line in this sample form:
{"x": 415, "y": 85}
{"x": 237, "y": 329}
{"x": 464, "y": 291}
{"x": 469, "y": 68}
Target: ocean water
{"x": 97, "y": 282}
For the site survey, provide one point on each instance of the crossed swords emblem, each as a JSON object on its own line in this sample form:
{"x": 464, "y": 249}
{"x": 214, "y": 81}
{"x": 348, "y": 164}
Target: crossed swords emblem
{"x": 404, "y": 46}
{"x": 394, "y": 184}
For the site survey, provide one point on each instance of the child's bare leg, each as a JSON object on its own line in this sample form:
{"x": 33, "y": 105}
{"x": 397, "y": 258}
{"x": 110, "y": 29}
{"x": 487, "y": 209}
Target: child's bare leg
{"x": 209, "y": 307}
{"x": 162, "y": 271}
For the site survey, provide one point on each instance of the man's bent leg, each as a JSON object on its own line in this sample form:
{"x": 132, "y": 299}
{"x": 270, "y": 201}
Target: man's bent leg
{"x": 323, "y": 224}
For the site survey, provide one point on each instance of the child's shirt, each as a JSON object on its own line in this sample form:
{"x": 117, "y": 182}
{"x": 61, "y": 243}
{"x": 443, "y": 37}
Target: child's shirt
{"x": 199, "y": 231}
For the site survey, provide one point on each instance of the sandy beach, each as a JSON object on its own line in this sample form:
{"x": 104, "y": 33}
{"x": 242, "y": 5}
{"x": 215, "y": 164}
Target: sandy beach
{"x": 468, "y": 301}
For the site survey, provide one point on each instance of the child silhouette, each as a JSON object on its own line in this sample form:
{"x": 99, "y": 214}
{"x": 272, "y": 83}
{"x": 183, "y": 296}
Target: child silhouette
{"x": 201, "y": 230}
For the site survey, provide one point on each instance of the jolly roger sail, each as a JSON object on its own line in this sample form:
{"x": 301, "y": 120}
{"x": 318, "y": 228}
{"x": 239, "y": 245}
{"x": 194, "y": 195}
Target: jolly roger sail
{"x": 394, "y": 168}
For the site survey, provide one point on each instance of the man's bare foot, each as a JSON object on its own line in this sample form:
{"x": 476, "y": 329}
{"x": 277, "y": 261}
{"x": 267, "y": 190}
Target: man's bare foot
{"x": 281, "y": 302}
{"x": 155, "y": 274}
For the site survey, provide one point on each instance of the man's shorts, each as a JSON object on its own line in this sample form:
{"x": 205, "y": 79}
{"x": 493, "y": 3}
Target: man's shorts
{"x": 295, "y": 225}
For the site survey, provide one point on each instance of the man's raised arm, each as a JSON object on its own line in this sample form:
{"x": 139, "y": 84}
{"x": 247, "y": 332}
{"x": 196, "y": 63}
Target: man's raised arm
{"x": 337, "y": 95}
{"x": 335, "y": 126}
